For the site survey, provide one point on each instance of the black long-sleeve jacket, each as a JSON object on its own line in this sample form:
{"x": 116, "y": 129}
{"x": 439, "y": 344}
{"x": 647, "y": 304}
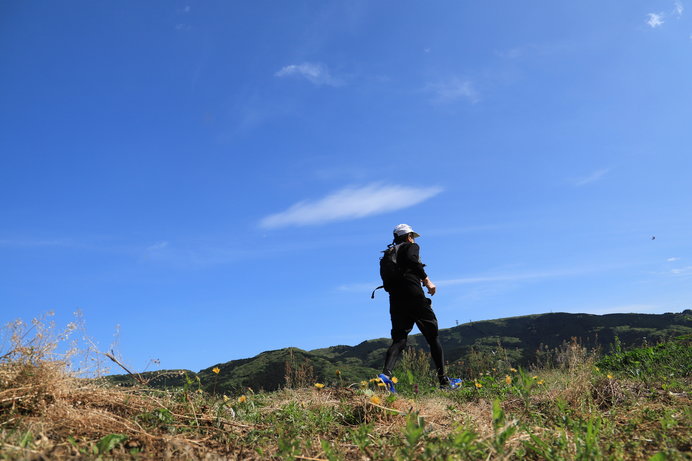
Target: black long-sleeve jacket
{"x": 408, "y": 258}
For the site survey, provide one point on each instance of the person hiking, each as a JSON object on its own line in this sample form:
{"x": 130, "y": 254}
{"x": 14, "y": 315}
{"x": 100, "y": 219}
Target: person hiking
{"x": 408, "y": 305}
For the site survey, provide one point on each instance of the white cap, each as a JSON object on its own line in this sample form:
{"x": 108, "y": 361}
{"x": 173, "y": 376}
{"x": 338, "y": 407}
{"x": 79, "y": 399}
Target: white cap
{"x": 403, "y": 229}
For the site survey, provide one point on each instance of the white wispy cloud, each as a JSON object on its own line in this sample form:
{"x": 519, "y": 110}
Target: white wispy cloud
{"x": 655, "y": 20}
{"x": 682, "y": 271}
{"x": 679, "y": 8}
{"x": 35, "y": 243}
{"x": 673, "y": 259}
{"x": 593, "y": 177}
{"x": 512, "y": 53}
{"x": 453, "y": 90}
{"x": 315, "y": 73}
{"x": 350, "y": 203}
{"x": 509, "y": 277}
{"x": 157, "y": 246}
{"x": 362, "y": 287}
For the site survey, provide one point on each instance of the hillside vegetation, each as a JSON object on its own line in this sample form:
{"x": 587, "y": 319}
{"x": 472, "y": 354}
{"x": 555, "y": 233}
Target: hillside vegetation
{"x": 469, "y": 349}
{"x": 633, "y": 403}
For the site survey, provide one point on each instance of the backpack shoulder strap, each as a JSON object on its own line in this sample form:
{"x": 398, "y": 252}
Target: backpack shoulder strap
{"x": 372, "y": 296}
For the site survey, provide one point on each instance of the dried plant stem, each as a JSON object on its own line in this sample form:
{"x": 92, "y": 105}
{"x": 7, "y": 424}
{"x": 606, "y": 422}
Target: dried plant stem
{"x": 192, "y": 406}
{"x": 137, "y": 376}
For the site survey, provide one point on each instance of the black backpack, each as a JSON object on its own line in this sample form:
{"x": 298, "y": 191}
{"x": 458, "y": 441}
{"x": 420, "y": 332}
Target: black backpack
{"x": 390, "y": 272}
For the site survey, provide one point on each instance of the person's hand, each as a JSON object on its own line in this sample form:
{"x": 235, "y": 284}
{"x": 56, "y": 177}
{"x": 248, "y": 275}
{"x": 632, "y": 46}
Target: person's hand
{"x": 430, "y": 286}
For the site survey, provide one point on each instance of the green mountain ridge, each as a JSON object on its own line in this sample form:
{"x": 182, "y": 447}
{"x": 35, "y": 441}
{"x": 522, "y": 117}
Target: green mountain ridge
{"x": 516, "y": 341}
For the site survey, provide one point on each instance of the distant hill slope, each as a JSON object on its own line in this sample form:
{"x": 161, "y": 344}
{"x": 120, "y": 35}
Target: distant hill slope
{"x": 518, "y": 340}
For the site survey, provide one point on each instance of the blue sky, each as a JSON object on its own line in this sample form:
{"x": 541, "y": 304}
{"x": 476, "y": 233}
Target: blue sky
{"x": 217, "y": 179}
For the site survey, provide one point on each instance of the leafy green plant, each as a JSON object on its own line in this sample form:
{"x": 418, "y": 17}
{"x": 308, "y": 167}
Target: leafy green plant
{"x": 288, "y": 446}
{"x": 415, "y": 428}
{"x": 413, "y": 432}
{"x": 462, "y": 444}
{"x": 159, "y": 417}
{"x": 108, "y": 443}
{"x": 26, "y": 440}
{"x": 672, "y": 359}
{"x": 523, "y": 384}
{"x": 464, "y": 441}
{"x": 419, "y": 377}
{"x": 551, "y": 450}
{"x": 586, "y": 436}
{"x": 360, "y": 435}
{"x": 330, "y": 452}
{"x": 501, "y": 429}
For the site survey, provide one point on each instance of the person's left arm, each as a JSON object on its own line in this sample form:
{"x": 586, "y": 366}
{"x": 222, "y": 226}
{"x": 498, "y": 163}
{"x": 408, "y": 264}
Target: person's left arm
{"x": 417, "y": 267}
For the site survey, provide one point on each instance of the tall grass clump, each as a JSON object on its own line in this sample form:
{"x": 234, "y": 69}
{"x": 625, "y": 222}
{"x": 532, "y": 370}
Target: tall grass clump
{"x": 298, "y": 373}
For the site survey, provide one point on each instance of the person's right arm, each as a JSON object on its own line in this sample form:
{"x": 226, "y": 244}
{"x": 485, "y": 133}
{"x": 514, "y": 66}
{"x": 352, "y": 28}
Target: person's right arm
{"x": 430, "y": 286}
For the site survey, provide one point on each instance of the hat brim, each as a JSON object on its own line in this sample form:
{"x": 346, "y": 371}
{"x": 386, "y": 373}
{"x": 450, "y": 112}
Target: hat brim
{"x": 415, "y": 235}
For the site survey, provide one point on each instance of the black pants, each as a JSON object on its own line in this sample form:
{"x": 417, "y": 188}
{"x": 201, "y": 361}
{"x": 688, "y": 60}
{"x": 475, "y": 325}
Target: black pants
{"x": 406, "y": 308}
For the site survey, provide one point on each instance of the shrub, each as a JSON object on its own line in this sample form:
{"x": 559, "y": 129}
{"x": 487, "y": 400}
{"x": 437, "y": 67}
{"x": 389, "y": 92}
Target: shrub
{"x": 672, "y": 359}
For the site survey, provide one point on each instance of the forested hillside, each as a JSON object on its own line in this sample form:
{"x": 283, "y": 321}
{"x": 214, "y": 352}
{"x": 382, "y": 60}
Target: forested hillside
{"x": 469, "y": 348}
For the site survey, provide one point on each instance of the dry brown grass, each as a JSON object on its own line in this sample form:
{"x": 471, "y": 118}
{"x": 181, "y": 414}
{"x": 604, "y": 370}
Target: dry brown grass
{"x": 435, "y": 409}
{"x": 43, "y": 398}
{"x": 45, "y": 402}
{"x": 54, "y": 407}
{"x": 66, "y": 416}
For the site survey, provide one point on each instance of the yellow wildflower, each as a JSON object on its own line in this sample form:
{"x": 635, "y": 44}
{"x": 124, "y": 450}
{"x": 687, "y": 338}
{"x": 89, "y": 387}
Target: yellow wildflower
{"x": 508, "y": 379}
{"x": 540, "y": 382}
{"x": 363, "y": 384}
{"x": 513, "y": 370}
{"x": 478, "y": 385}
{"x": 610, "y": 376}
{"x": 319, "y": 385}
{"x": 225, "y": 398}
{"x": 394, "y": 380}
{"x": 376, "y": 400}
{"x": 216, "y": 370}
{"x": 242, "y": 399}
{"x": 534, "y": 377}
{"x": 338, "y": 372}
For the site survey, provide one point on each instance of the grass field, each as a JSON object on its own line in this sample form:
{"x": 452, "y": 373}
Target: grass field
{"x": 627, "y": 405}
